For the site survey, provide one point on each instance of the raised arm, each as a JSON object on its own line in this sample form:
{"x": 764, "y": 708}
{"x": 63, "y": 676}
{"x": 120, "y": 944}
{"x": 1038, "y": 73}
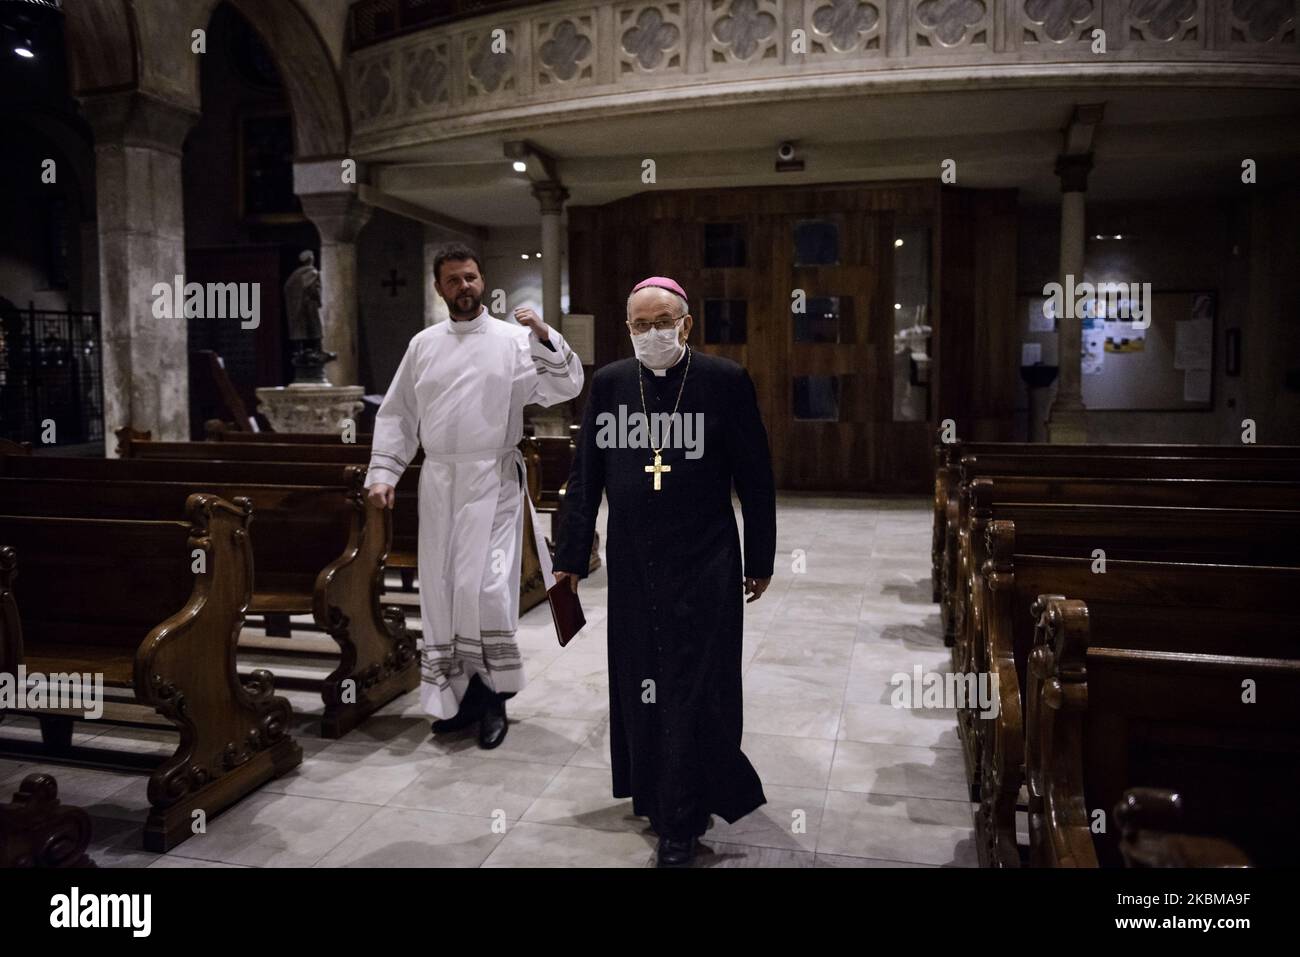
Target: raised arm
{"x": 551, "y": 369}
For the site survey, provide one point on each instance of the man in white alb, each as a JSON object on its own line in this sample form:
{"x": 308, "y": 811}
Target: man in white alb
{"x": 460, "y": 392}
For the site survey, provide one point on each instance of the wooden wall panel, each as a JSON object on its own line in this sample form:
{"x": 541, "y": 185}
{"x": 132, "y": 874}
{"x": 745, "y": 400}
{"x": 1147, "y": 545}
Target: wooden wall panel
{"x": 612, "y": 247}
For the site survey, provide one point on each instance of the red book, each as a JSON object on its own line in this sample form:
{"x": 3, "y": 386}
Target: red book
{"x": 566, "y": 611}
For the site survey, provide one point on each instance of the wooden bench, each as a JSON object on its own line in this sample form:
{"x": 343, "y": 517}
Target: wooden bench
{"x": 1107, "y": 713}
{"x": 1051, "y": 499}
{"x": 214, "y": 430}
{"x": 38, "y": 831}
{"x": 992, "y": 615}
{"x": 1169, "y": 606}
{"x": 1237, "y": 468}
{"x": 948, "y": 456}
{"x": 548, "y": 459}
{"x": 126, "y": 600}
{"x": 133, "y": 444}
{"x": 318, "y": 550}
{"x": 332, "y": 453}
{"x": 402, "y": 555}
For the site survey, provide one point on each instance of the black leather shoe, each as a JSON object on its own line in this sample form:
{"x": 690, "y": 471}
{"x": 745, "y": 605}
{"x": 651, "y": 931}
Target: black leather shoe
{"x": 470, "y": 710}
{"x": 675, "y": 853}
{"x": 493, "y": 725}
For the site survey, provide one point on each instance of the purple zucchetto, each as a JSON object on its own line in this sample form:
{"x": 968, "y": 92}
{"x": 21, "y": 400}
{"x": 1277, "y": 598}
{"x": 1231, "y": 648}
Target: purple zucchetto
{"x": 662, "y": 282}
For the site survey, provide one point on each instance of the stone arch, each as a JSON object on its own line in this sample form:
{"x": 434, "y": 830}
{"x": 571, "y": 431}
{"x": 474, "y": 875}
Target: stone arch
{"x": 102, "y": 45}
{"x": 311, "y": 81}
{"x": 115, "y": 46}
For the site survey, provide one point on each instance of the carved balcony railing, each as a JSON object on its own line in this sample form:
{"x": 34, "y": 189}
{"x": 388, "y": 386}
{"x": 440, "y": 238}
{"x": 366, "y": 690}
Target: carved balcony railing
{"x": 625, "y": 56}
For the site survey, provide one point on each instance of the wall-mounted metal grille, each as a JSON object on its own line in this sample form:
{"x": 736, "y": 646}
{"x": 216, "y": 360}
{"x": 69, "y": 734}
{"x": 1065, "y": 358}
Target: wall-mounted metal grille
{"x": 51, "y": 369}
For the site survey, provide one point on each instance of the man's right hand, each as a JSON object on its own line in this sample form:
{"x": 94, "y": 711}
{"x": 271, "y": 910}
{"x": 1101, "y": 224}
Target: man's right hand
{"x": 571, "y": 579}
{"x": 382, "y": 495}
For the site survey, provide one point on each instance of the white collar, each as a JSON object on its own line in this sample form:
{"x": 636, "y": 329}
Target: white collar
{"x": 464, "y": 326}
{"x": 664, "y": 371}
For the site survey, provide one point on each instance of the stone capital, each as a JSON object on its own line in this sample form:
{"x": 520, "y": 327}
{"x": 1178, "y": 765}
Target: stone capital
{"x": 551, "y": 195}
{"x": 1073, "y": 169}
{"x": 132, "y": 118}
{"x": 326, "y": 176}
{"x": 338, "y": 217}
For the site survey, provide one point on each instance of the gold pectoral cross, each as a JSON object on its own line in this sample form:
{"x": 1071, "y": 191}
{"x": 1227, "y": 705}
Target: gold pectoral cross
{"x": 658, "y": 468}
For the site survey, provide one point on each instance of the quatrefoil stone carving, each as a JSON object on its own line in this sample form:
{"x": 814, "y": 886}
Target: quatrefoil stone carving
{"x": 844, "y": 20}
{"x": 565, "y": 49}
{"x": 744, "y": 28}
{"x": 650, "y": 38}
{"x": 1059, "y": 17}
{"x": 949, "y": 20}
{"x": 1164, "y": 18}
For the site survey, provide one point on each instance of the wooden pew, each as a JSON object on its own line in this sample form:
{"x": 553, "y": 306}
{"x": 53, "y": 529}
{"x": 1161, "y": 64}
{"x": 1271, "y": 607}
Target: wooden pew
{"x": 554, "y": 456}
{"x": 404, "y": 518}
{"x": 948, "y": 455}
{"x": 133, "y": 444}
{"x": 332, "y": 453}
{"x": 317, "y": 549}
{"x": 554, "y": 460}
{"x": 1107, "y": 714}
{"x": 1168, "y": 606}
{"x": 214, "y": 430}
{"x": 1240, "y": 536}
{"x": 37, "y": 831}
{"x": 125, "y": 599}
{"x": 987, "y": 498}
{"x": 1239, "y": 468}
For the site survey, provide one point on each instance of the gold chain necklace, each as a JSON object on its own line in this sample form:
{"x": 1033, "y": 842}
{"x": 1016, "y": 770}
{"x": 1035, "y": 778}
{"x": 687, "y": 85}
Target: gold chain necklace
{"x": 658, "y": 468}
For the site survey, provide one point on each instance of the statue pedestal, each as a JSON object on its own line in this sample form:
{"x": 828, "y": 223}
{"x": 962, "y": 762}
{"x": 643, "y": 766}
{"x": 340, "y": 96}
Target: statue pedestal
{"x": 310, "y": 408}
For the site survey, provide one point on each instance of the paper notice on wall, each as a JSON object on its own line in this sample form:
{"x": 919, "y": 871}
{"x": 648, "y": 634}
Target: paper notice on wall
{"x": 1124, "y": 336}
{"x": 1031, "y": 353}
{"x": 1094, "y": 351}
{"x": 1192, "y": 343}
{"x": 1196, "y": 385}
{"x": 579, "y": 332}
{"x": 1042, "y": 315}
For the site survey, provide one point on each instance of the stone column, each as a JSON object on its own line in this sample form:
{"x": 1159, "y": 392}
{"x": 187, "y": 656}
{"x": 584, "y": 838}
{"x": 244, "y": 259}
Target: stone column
{"x": 89, "y": 260}
{"x": 551, "y": 195}
{"x": 141, "y": 242}
{"x": 338, "y": 218}
{"x": 1067, "y": 419}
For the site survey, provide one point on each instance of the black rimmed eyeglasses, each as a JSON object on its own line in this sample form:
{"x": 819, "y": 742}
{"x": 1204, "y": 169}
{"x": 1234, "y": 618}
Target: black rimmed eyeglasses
{"x": 662, "y": 323}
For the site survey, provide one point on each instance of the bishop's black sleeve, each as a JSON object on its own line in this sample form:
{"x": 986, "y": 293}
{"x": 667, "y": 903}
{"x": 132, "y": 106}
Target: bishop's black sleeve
{"x": 582, "y": 496}
{"x": 751, "y": 471}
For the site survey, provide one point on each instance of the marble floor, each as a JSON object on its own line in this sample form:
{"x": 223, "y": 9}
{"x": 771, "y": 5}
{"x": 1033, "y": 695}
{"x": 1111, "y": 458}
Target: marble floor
{"x": 850, "y": 780}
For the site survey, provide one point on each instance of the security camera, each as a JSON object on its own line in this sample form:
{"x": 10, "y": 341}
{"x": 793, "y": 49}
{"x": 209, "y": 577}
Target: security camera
{"x": 785, "y": 152}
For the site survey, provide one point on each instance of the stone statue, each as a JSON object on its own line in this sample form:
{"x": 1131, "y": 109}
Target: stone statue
{"x": 302, "y": 303}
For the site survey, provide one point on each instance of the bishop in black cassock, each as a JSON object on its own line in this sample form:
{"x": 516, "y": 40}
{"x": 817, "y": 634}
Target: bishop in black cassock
{"x": 676, "y": 578}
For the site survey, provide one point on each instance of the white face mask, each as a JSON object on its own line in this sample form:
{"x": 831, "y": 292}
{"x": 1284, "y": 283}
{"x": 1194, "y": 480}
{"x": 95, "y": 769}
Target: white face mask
{"x": 658, "y": 349}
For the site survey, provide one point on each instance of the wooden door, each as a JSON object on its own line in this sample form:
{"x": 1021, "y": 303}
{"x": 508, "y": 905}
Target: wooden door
{"x": 825, "y": 384}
